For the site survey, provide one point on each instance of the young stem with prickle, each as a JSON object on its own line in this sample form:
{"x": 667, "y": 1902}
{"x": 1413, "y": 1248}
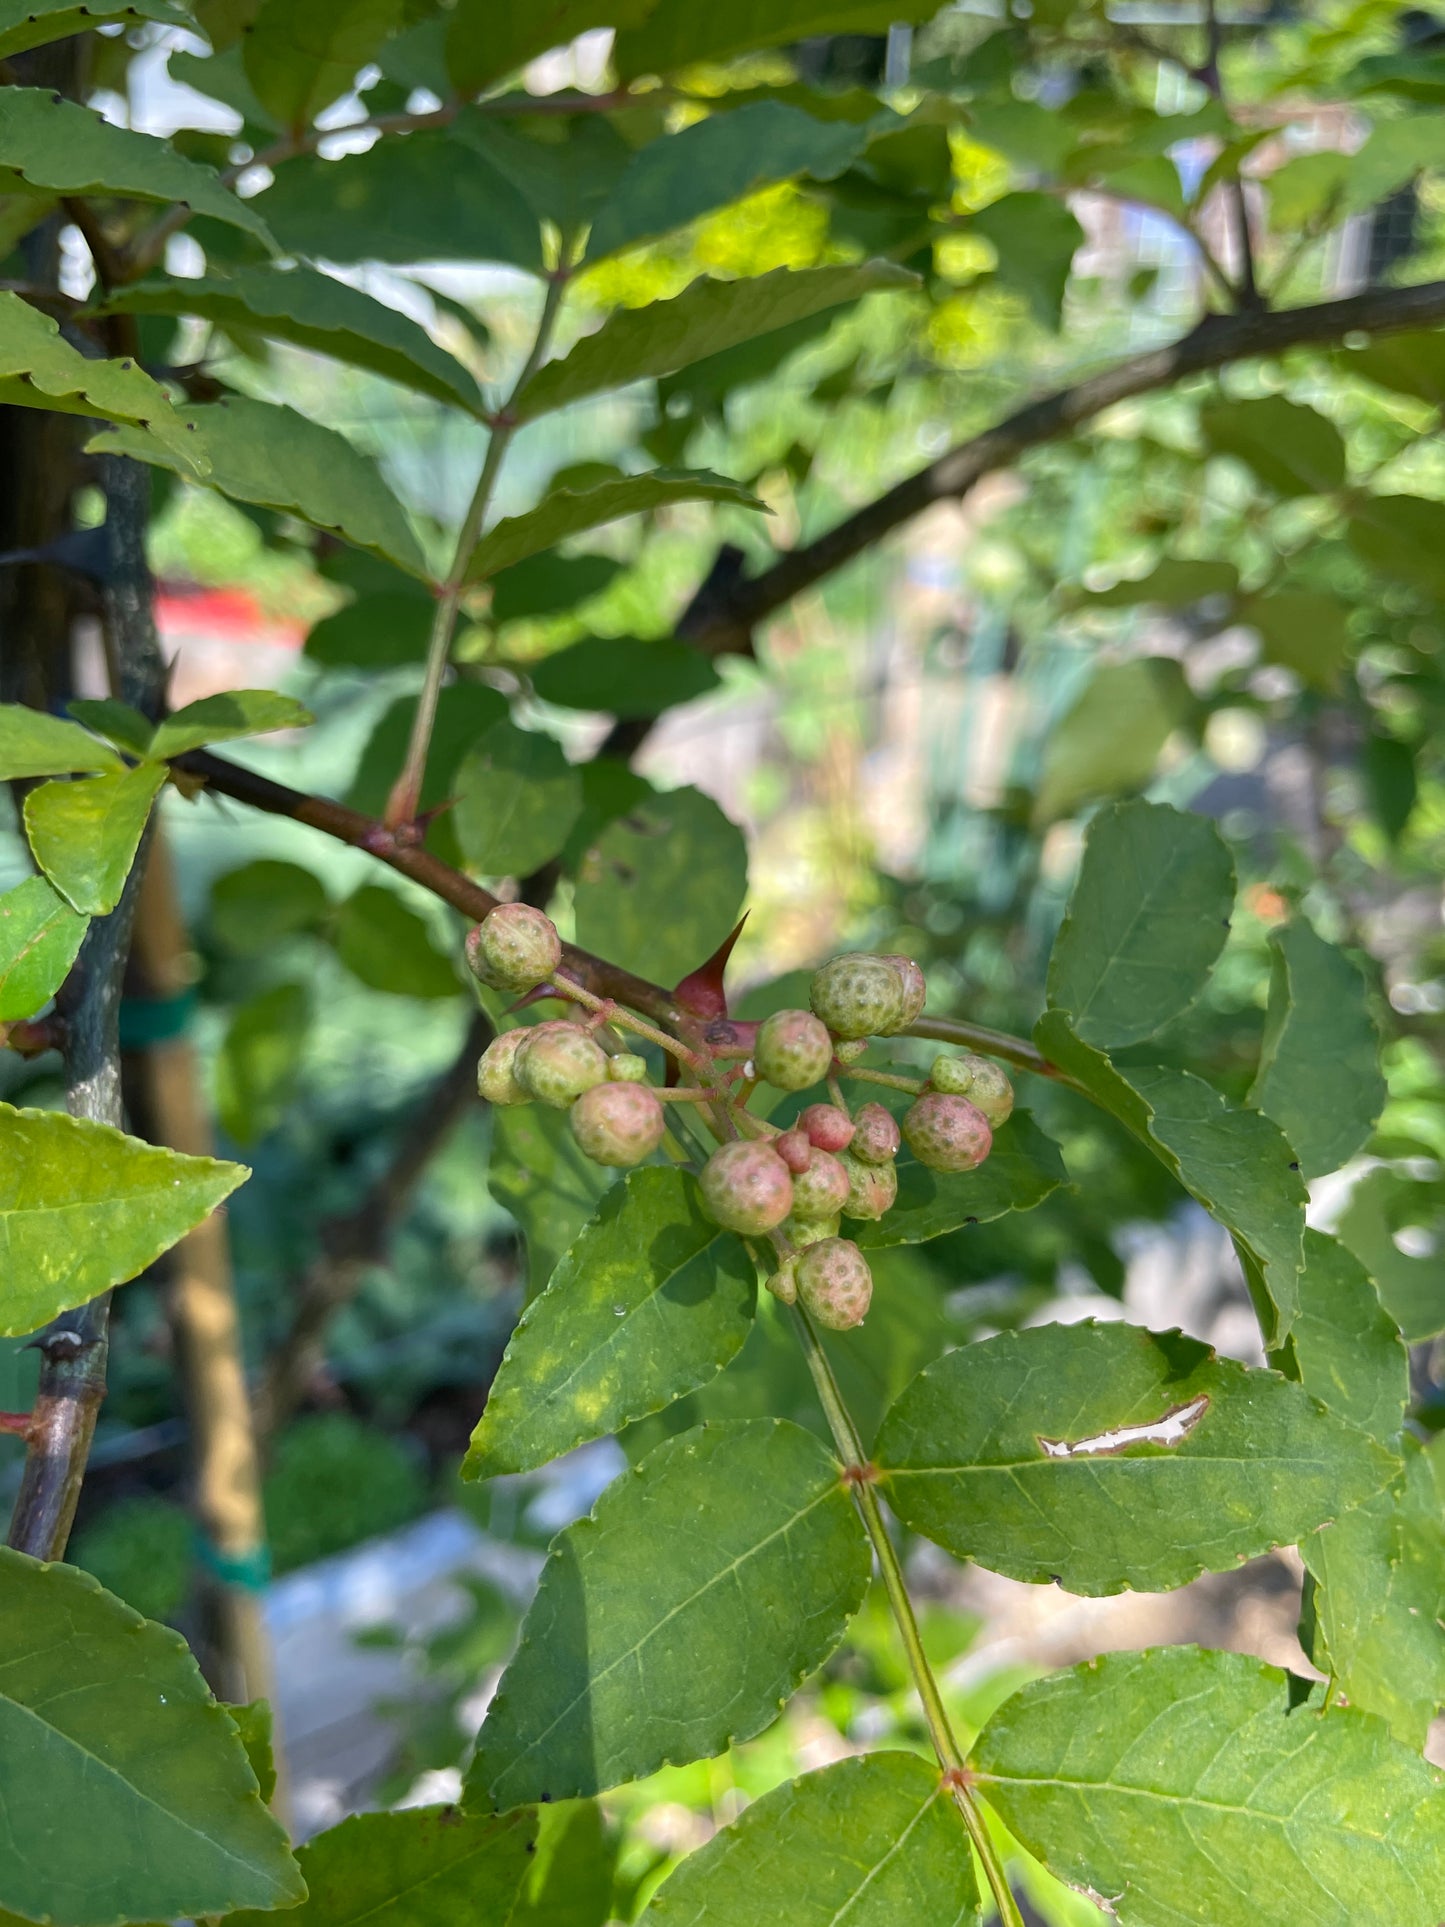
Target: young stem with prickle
{"x": 940, "y": 1731}
{"x": 402, "y": 804}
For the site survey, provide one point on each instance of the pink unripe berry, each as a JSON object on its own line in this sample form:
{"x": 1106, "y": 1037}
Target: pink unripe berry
{"x": 830, "y": 1128}
{"x": 795, "y": 1150}
{"x": 872, "y": 1188}
{"x": 983, "y": 1083}
{"x": 915, "y": 988}
{"x": 747, "y": 1187}
{"x": 557, "y": 1062}
{"x": 618, "y": 1124}
{"x": 946, "y": 1132}
{"x": 821, "y": 1190}
{"x": 793, "y": 1049}
{"x": 497, "y": 1069}
{"x": 834, "y": 1283}
{"x": 858, "y": 996}
{"x": 876, "y": 1137}
{"x": 514, "y": 947}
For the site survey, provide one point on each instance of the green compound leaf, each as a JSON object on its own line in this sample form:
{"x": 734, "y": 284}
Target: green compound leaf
{"x": 117, "y": 722}
{"x": 1020, "y": 1172}
{"x": 40, "y": 369}
{"x": 84, "y": 834}
{"x": 572, "y": 511}
{"x": 1380, "y": 1599}
{"x": 264, "y": 902}
{"x": 677, "y": 32}
{"x": 220, "y": 719}
{"x": 388, "y": 946}
{"x": 300, "y": 55}
{"x": 313, "y": 311}
{"x": 570, "y": 1878}
{"x": 1237, "y": 1164}
{"x": 1350, "y": 1354}
{"x": 636, "y": 344}
{"x": 63, "y": 148}
{"x": 258, "y": 452}
{"x": 108, "y": 1733}
{"x": 34, "y": 744}
{"x": 1175, "y": 1786}
{"x": 1319, "y": 1067}
{"x": 1292, "y": 449}
{"x": 649, "y": 1303}
{"x": 545, "y": 585}
{"x": 873, "y": 1842}
{"x": 1108, "y": 741}
{"x": 540, "y": 1174}
{"x": 428, "y": 196}
{"x": 485, "y": 43}
{"x": 422, "y": 1867}
{"x": 1109, "y": 1457}
{"x": 517, "y": 801}
{"x": 83, "y": 1207}
{"x": 374, "y": 632}
{"x": 621, "y": 676}
{"x": 40, "y": 937}
{"x": 257, "y": 1727}
{"x": 662, "y": 886}
{"x": 1145, "y": 925}
{"x": 705, "y": 1586}
{"x": 717, "y": 161}
{"x": 36, "y": 23}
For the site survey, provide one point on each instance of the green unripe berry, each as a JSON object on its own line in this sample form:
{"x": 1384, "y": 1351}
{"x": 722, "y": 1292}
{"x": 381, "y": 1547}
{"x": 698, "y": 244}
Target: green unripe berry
{"x": 821, "y": 1190}
{"x": 915, "y": 988}
{"x": 497, "y": 1070}
{"x": 514, "y": 948}
{"x": 848, "y": 1050}
{"x": 810, "y": 1231}
{"x": 557, "y": 1062}
{"x": 793, "y": 1049}
{"x": 834, "y": 1283}
{"x": 872, "y": 1188}
{"x": 746, "y": 1187}
{"x": 947, "y": 1133}
{"x": 984, "y": 1083}
{"x": 784, "y": 1282}
{"x": 618, "y": 1124}
{"x": 858, "y": 996}
{"x": 875, "y": 1136}
{"x": 627, "y": 1068}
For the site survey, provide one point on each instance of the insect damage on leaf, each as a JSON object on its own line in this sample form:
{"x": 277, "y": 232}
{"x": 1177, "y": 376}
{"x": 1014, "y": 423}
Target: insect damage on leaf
{"x": 1172, "y": 1429}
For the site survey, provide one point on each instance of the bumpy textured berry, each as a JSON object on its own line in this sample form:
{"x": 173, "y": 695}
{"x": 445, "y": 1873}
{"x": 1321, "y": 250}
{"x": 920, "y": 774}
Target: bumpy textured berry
{"x": 834, "y": 1283}
{"x": 557, "y": 1062}
{"x": 858, "y": 996}
{"x": 617, "y": 1124}
{"x": 830, "y": 1128}
{"x": 497, "y": 1070}
{"x": 915, "y": 988}
{"x": 747, "y": 1187}
{"x": 514, "y": 948}
{"x": 627, "y": 1068}
{"x": 795, "y": 1150}
{"x": 811, "y": 1231}
{"x": 784, "y": 1282}
{"x": 848, "y": 1050}
{"x": 984, "y": 1083}
{"x": 872, "y": 1188}
{"x": 876, "y": 1136}
{"x": 947, "y": 1133}
{"x": 793, "y": 1049}
{"x": 820, "y": 1191}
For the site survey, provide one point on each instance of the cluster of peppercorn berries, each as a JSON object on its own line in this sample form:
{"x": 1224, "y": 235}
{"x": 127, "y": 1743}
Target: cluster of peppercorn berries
{"x": 792, "y": 1186}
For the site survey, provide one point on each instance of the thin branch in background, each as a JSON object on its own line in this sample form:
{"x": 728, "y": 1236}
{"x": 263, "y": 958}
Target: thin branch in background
{"x": 1248, "y": 293}
{"x": 73, "y": 1348}
{"x": 353, "y": 1244}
